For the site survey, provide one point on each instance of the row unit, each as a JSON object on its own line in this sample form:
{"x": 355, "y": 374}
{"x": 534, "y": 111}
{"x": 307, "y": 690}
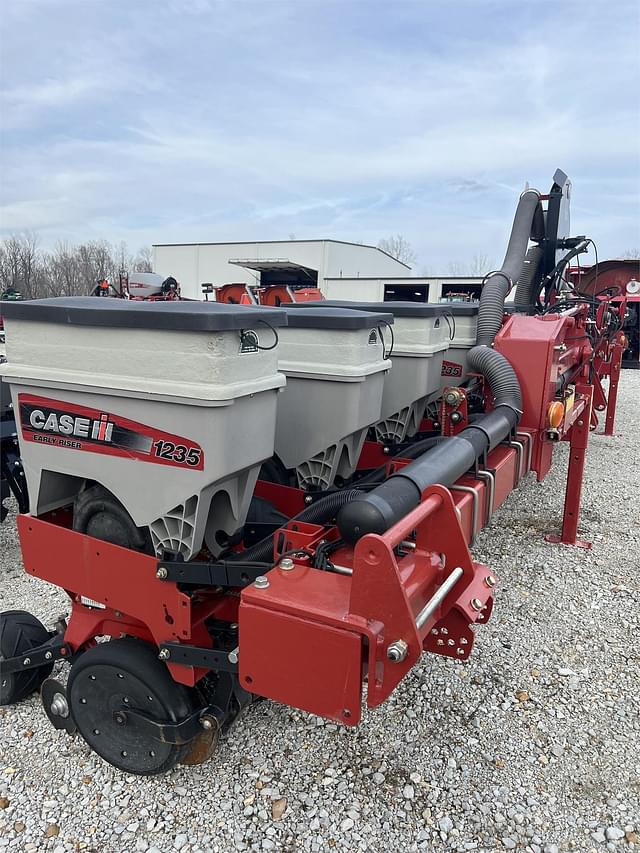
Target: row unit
{"x": 202, "y": 394}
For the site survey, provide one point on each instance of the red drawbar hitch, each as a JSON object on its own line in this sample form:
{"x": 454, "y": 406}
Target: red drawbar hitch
{"x": 308, "y": 636}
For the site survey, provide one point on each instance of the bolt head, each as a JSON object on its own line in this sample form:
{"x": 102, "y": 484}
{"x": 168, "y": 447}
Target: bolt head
{"x": 490, "y": 581}
{"x": 26, "y": 662}
{"x": 261, "y": 582}
{"x": 59, "y": 706}
{"x": 206, "y": 723}
{"x": 286, "y": 564}
{"x": 164, "y": 654}
{"x": 397, "y": 651}
{"x": 162, "y": 573}
{"x": 308, "y": 499}
{"x": 476, "y": 604}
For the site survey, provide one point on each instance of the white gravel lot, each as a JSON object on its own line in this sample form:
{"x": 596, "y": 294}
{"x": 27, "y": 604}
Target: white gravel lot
{"x": 533, "y": 744}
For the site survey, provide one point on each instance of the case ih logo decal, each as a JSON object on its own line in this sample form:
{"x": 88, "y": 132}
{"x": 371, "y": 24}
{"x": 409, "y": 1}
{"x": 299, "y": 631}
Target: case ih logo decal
{"x": 74, "y": 427}
{"x": 450, "y": 368}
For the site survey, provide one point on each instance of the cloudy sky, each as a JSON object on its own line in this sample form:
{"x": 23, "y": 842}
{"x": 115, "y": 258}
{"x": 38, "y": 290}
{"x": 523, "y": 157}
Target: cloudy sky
{"x": 211, "y": 120}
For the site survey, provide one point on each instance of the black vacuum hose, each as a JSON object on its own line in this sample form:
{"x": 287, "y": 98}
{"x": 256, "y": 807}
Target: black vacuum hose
{"x": 498, "y": 284}
{"x": 528, "y": 281}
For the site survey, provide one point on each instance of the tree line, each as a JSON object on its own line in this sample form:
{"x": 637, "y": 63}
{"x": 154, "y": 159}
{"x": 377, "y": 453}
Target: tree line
{"x": 67, "y": 269}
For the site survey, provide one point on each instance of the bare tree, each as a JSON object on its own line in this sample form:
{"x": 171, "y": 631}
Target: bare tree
{"x": 144, "y": 260}
{"x": 398, "y": 248}
{"x": 631, "y": 254}
{"x": 478, "y": 265}
{"x": 21, "y": 264}
{"x": 63, "y": 273}
{"x": 10, "y": 263}
{"x": 29, "y": 261}
{"x": 66, "y": 270}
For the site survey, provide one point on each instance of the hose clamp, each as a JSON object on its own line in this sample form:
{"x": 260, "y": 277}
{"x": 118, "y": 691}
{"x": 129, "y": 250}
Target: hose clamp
{"x": 497, "y": 272}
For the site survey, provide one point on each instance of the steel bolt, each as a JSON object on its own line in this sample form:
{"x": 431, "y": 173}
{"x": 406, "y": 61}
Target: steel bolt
{"x": 162, "y": 574}
{"x": 26, "y": 662}
{"x": 453, "y": 397}
{"x": 476, "y": 604}
{"x": 48, "y": 656}
{"x": 580, "y": 423}
{"x": 308, "y": 499}
{"x": 59, "y": 706}
{"x": 397, "y": 651}
{"x": 165, "y": 654}
{"x": 286, "y": 564}
{"x": 490, "y": 581}
{"x": 232, "y": 657}
{"x": 261, "y": 582}
{"x": 206, "y": 723}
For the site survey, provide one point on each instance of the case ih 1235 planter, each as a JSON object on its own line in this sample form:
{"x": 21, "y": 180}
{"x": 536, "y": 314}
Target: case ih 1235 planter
{"x": 279, "y": 502}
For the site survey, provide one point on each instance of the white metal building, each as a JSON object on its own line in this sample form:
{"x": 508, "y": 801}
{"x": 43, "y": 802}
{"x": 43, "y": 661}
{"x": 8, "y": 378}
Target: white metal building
{"x": 310, "y": 262}
{"x": 409, "y": 288}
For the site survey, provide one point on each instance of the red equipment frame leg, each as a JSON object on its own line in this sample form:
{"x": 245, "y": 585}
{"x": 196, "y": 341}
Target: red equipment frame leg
{"x": 578, "y": 441}
{"x": 614, "y": 378}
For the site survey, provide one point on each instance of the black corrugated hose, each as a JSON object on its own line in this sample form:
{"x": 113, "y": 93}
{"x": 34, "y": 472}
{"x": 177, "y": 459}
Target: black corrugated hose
{"x": 527, "y": 284}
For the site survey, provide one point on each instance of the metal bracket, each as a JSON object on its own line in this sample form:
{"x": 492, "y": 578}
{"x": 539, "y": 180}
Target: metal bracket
{"x": 225, "y": 574}
{"x": 529, "y": 440}
{"x": 490, "y": 477}
{"x": 210, "y": 659}
{"x": 476, "y": 507}
{"x": 519, "y": 448}
{"x": 167, "y": 732}
{"x": 54, "y": 649}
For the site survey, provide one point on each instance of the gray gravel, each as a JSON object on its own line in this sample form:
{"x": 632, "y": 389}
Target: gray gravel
{"x": 533, "y": 744}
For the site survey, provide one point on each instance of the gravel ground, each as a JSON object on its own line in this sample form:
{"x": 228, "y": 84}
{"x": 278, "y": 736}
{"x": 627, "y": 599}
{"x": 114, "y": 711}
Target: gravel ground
{"x": 533, "y": 744}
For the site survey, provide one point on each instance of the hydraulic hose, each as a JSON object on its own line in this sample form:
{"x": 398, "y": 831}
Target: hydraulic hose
{"x": 383, "y": 507}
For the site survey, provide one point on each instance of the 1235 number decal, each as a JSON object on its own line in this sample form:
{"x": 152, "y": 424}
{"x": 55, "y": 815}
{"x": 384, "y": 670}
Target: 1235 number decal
{"x": 179, "y": 453}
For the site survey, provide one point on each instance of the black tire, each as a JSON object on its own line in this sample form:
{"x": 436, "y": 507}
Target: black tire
{"x": 119, "y": 675}
{"x": 20, "y": 632}
{"x": 97, "y": 513}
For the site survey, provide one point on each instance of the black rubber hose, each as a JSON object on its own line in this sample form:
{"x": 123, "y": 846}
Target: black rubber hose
{"x": 421, "y": 447}
{"x": 318, "y": 513}
{"x": 443, "y": 464}
{"x": 499, "y": 374}
{"x": 498, "y": 284}
{"x": 525, "y": 297}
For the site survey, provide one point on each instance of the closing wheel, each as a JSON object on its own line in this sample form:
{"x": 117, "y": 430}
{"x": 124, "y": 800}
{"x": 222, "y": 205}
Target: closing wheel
{"x": 20, "y": 632}
{"x": 119, "y": 676}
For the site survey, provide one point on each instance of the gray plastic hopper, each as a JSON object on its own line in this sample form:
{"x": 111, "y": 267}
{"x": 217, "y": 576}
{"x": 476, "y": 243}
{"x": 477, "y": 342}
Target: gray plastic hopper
{"x": 171, "y": 406}
{"x": 421, "y": 337}
{"x": 335, "y": 364}
{"x": 463, "y": 317}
